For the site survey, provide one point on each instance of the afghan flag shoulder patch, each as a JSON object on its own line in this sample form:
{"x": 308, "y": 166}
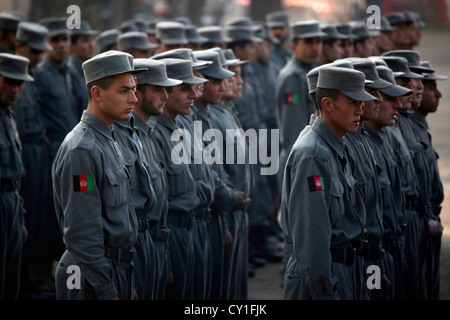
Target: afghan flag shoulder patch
{"x": 292, "y": 99}
{"x": 83, "y": 183}
{"x": 315, "y": 183}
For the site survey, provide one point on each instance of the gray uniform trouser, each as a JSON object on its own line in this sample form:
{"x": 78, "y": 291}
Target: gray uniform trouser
{"x": 144, "y": 265}
{"x": 239, "y": 288}
{"x": 35, "y": 195}
{"x": 161, "y": 269}
{"x": 11, "y": 222}
{"x": 229, "y": 277}
{"x": 202, "y": 259}
{"x": 122, "y": 277}
{"x": 182, "y": 258}
{"x": 412, "y": 237}
{"x": 217, "y": 258}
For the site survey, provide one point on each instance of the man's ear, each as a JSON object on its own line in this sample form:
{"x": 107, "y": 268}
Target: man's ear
{"x": 327, "y": 104}
{"x": 138, "y": 94}
{"x": 96, "y": 93}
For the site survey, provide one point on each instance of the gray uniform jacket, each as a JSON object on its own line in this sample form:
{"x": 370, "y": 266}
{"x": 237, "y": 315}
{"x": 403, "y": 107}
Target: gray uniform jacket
{"x": 156, "y": 170}
{"x": 366, "y": 176}
{"x": 100, "y": 215}
{"x": 224, "y": 197}
{"x": 183, "y": 195}
{"x": 61, "y": 105}
{"x": 317, "y": 214}
{"x": 437, "y": 191}
{"x": 279, "y": 56}
{"x": 201, "y": 171}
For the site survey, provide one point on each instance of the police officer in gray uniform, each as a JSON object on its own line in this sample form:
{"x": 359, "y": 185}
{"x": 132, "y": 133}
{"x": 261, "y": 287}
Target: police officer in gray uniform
{"x": 320, "y": 194}
{"x": 224, "y": 117}
{"x": 204, "y": 179}
{"x": 417, "y": 147}
{"x": 30, "y": 43}
{"x": 183, "y": 196}
{"x": 429, "y": 104}
{"x": 390, "y": 183}
{"x": 144, "y": 200}
{"x": 367, "y": 173}
{"x": 92, "y": 192}
{"x": 82, "y": 49}
{"x": 13, "y": 74}
{"x": 278, "y": 24}
{"x": 414, "y": 233}
{"x": 294, "y": 105}
{"x": 61, "y": 108}
{"x": 152, "y": 95}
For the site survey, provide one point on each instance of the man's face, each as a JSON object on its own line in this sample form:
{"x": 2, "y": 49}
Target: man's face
{"x": 61, "y": 47}
{"x": 333, "y": 51}
{"x": 119, "y": 100}
{"x": 154, "y": 100}
{"x": 35, "y": 56}
{"x": 280, "y": 33}
{"x": 198, "y": 87}
{"x": 213, "y": 91}
{"x": 237, "y": 81}
{"x": 405, "y": 100}
{"x": 400, "y": 36}
{"x": 307, "y": 50}
{"x": 247, "y": 52}
{"x": 344, "y": 114}
{"x": 417, "y": 88}
{"x": 83, "y": 49}
{"x": 229, "y": 84}
{"x": 371, "y": 108}
{"x": 431, "y": 97}
{"x": 384, "y": 42}
{"x": 389, "y": 108}
{"x": 10, "y": 90}
{"x": 180, "y": 100}
{"x": 347, "y": 48}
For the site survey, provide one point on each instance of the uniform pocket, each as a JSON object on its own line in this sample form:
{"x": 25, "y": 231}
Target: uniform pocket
{"x": 337, "y": 202}
{"x": 5, "y": 156}
{"x": 177, "y": 178}
{"x": 116, "y": 193}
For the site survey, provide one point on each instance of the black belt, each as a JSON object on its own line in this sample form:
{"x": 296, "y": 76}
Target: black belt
{"x": 368, "y": 251}
{"x": 202, "y": 213}
{"x": 343, "y": 255}
{"x": 158, "y": 232}
{"x": 185, "y": 219}
{"x": 9, "y": 185}
{"x": 120, "y": 254}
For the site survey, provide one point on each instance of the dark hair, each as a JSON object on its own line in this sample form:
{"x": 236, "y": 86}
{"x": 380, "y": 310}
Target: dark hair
{"x": 104, "y": 83}
{"x": 322, "y": 93}
{"x": 238, "y": 43}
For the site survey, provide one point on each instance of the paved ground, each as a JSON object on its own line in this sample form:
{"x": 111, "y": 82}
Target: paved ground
{"x": 436, "y": 49}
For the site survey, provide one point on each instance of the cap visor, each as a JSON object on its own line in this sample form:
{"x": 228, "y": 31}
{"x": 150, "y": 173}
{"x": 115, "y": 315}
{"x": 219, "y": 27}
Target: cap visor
{"x": 379, "y": 84}
{"x": 40, "y": 46}
{"x": 58, "y": 32}
{"x": 359, "y": 96}
{"x": 19, "y": 77}
{"x": 311, "y": 35}
{"x": 166, "y": 83}
{"x": 201, "y": 64}
{"x": 411, "y": 75}
{"x": 433, "y": 76}
{"x": 422, "y": 69}
{"x": 194, "y": 80}
{"x": 396, "y": 91}
{"x": 218, "y": 74}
